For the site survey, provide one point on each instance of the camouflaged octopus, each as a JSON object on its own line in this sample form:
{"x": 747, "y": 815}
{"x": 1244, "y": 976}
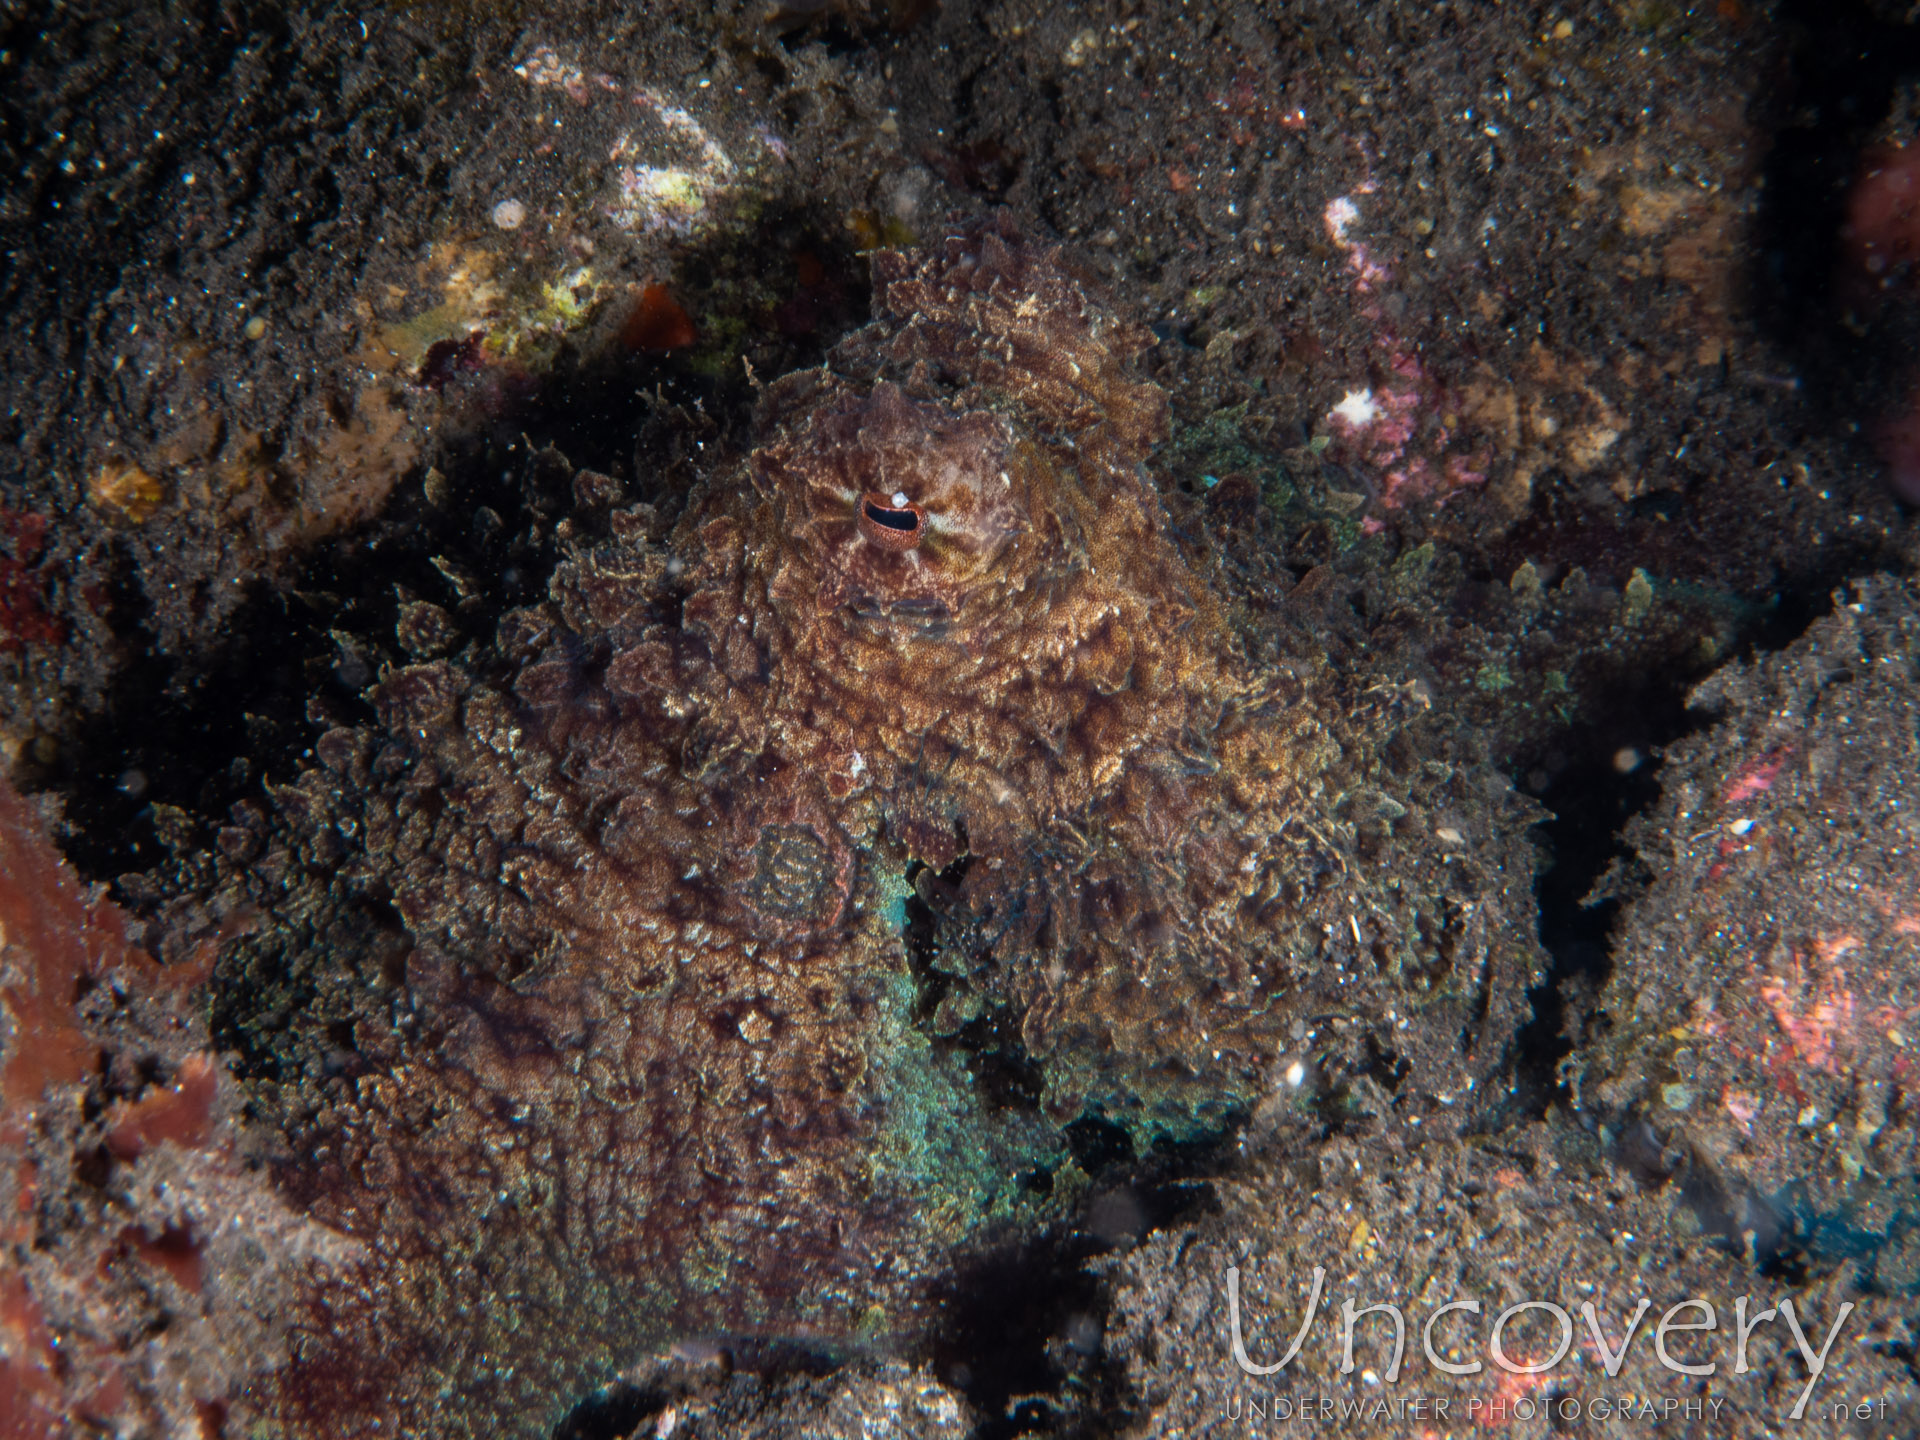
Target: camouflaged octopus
{"x": 927, "y": 666}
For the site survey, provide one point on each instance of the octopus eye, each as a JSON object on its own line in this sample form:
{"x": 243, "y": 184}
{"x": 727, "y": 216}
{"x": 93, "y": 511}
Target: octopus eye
{"x": 892, "y": 522}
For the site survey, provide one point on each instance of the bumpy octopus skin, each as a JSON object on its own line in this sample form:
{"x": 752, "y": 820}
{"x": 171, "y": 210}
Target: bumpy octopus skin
{"x": 665, "y": 1068}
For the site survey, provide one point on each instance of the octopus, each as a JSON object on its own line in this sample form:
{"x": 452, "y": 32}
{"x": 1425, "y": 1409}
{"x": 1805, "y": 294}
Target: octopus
{"x": 741, "y": 937}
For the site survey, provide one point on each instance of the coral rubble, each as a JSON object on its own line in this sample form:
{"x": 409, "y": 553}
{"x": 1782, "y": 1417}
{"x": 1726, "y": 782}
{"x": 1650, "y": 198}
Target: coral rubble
{"x": 741, "y": 936}
{"x": 147, "y": 1266}
{"x": 1395, "y": 1221}
{"x": 1756, "y": 1032}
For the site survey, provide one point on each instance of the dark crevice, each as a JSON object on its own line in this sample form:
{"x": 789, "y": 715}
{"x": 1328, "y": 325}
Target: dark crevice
{"x": 1845, "y": 68}
{"x": 1592, "y": 799}
{"x": 611, "y": 1414}
{"x": 1099, "y": 1145}
{"x": 1001, "y": 1320}
{"x": 1020, "y": 1333}
{"x": 1615, "y": 774}
{"x": 624, "y": 1409}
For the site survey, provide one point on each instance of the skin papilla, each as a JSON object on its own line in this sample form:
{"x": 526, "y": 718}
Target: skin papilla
{"x": 678, "y": 933}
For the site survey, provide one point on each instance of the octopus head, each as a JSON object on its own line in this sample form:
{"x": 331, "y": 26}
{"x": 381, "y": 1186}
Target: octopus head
{"x": 897, "y": 510}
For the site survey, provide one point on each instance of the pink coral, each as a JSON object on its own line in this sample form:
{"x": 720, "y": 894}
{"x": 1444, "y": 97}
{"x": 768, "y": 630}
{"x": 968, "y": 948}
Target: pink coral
{"x": 1817, "y": 1018}
{"x": 1377, "y": 427}
{"x": 1755, "y": 777}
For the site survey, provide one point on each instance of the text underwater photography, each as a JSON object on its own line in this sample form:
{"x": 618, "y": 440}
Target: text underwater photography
{"x": 1542, "y": 1363}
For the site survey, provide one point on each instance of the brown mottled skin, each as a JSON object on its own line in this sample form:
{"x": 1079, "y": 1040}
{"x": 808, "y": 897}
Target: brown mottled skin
{"x": 1038, "y": 681}
{"x": 656, "y": 1063}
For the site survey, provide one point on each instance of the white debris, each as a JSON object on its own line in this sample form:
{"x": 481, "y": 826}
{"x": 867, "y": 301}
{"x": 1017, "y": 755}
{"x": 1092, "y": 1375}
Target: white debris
{"x": 1358, "y": 409}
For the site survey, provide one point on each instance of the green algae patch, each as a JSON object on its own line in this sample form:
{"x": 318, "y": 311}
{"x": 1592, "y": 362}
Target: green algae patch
{"x": 937, "y": 1141}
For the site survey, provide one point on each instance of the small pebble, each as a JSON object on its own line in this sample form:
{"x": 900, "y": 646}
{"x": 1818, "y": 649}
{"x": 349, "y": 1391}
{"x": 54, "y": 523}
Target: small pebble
{"x": 256, "y": 327}
{"x": 509, "y": 214}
